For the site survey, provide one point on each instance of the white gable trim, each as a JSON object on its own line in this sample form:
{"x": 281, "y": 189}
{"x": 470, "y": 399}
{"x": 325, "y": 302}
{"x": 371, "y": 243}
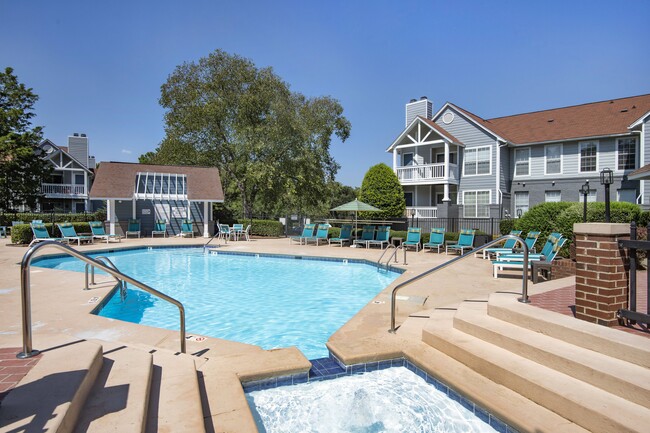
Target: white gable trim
{"x": 407, "y": 133}
{"x": 469, "y": 119}
{"x": 640, "y": 120}
{"x": 58, "y": 149}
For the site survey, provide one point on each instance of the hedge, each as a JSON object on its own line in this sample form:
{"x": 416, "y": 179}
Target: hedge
{"x": 7, "y": 218}
{"x": 270, "y": 228}
{"x": 22, "y": 233}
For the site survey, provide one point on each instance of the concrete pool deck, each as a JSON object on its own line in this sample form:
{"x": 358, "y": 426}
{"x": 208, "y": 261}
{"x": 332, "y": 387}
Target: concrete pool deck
{"x": 60, "y": 313}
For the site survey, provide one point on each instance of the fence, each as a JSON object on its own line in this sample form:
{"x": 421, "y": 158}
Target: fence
{"x": 486, "y": 225}
{"x": 631, "y": 314}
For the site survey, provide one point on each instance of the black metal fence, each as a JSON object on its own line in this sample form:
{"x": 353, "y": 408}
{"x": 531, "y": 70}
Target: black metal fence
{"x": 631, "y": 314}
{"x": 489, "y": 226}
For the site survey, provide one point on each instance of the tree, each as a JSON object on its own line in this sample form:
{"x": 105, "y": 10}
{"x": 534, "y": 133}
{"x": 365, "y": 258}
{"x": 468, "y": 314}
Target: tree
{"x": 381, "y": 188}
{"x": 269, "y": 143}
{"x": 22, "y": 168}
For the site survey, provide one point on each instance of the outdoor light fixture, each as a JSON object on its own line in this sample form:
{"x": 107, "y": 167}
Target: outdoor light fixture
{"x": 519, "y": 212}
{"x": 584, "y": 190}
{"x": 412, "y": 215}
{"x": 606, "y": 178}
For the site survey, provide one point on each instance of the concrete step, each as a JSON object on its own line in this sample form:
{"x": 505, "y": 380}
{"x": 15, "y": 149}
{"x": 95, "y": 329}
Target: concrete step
{"x": 120, "y": 396}
{"x": 51, "y": 396}
{"x": 612, "y": 342}
{"x": 175, "y": 399}
{"x": 579, "y": 402}
{"x": 611, "y": 374}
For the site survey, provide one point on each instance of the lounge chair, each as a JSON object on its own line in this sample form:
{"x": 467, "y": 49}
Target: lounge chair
{"x": 465, "y": 242}
{"x": 41, "y": 234}
{"x": 187, "y": 228}
{"x": 500, "y": 265}
{"x": 381, "y": 237}
{"x": 70, "y": 234}
{"x": 133, "y": 229}
{"x": 551, "y": 241}
{"x": 507, "y": 246}
{"x": 436, "y": 239}
{"x": 307, "y": 232}
{"x": 367, "y": 234}
{"x": 321, "y": 234}
{"x": 413, "y": 237}
{"x": 97, "y": 229}
{"x": 345, "y": 236}
{"x": 159, "y": 228}
{"x": 247, "y": 233}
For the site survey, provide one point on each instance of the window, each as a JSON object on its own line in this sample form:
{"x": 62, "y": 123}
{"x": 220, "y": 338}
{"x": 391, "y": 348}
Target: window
{"x": 626, "y": 151}
{"x": 553, "y": 196}
{"x": 408, "y": 198}
{"x": 477, "y": 161}
{"x": 161, "y": 186}
{"x": 591, "y": 197}
{"x": 476, "y": 204}
{"x": 522, "y": 162}
{"x": 521, "y": 202}
{"x": 407, "y": 159}
{"x": 440, "y": 158}
{"x": 553, "y": 155}
{"x": 588, "y": 156}
{"x": 79, "y": 179}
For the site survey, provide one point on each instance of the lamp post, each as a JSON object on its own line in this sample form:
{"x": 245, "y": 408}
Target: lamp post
{"x": 584, "y": 190}
{"x": 519, "y": 213}
{"x": 606, "y": 178}
{"x": 412, "y": 215}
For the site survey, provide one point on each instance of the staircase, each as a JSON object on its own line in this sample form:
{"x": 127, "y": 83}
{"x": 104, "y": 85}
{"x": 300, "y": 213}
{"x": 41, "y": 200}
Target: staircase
{"x": 564, "y": 372}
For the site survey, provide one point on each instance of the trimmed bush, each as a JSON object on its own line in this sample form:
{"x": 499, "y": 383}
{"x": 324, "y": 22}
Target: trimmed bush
{"x": 381, "y": 188}
{"x": 620, "y": 212}
{"x": 506, "y": 226}
{"x": 644, "y": 219}
{"x": 269, "y": 228}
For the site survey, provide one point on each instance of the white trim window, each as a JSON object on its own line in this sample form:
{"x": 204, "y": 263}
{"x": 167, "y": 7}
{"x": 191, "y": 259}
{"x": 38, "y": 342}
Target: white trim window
{"x": 626, "y": 153}
{"x": 476, "y": 204}
{"x": 408, "y": 161}
{"x": 477, "y": 161}
{"x": 521, "y": 202}
{"x": 522, "y": 162}
{"x": 552, "y": 196}
{"x": 553, "y": 159}
{"x": 592, "y": 196}
{"x": 588, "y": 156}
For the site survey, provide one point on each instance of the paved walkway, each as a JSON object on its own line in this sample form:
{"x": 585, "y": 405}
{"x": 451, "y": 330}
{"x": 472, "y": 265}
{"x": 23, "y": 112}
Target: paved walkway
{"x": 12, "y": 370}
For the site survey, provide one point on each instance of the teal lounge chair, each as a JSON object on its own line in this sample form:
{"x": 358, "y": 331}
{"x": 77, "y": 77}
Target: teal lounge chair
{"x": 381, "y": 237}
{"x": 321, "y": 234}
{"x": 551, "y": 241}
{"x": 70, "y": 234}
{"x": 133, "y": 229}
{"x": 465, "y": 242}
{"x": 97, "y": 229}
{"x": 307, "y": 232}
{"x": 187, "y": 228}
{"x": 345, "y": 236}
{"x": 500, "y": 265}
{"x": 367, "y": 234}
{"x": 41, "y": 234}
{"x": 413, "y": 237}
{"x": 507, "y": 246}
{"x": 160, "y": 228}
{"x": 436, "y": 239}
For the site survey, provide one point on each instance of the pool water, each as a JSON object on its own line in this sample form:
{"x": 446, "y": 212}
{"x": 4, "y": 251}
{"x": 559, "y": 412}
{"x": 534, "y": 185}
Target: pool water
{"x": 390, "y": 400}
{"x": 267, "y": 301}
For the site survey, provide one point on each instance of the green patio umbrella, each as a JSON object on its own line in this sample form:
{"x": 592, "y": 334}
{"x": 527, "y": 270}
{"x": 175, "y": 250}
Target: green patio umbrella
{"x": 356, "y": 206}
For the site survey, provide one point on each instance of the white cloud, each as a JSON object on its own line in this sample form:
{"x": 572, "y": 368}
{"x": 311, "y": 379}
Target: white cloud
{"x": 126, "y": 151}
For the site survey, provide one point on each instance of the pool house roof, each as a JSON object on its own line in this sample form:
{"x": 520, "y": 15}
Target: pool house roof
{"x": 125, "y": 181}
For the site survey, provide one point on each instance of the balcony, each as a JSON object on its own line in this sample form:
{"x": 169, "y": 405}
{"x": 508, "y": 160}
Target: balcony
{"x": 422, "y": 212}
{"x": 426, "y": 173}
{"x": 63, "y": 190}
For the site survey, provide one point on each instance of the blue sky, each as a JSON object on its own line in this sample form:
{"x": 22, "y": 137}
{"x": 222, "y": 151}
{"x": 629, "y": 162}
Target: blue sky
{"x": 98, "y": 66}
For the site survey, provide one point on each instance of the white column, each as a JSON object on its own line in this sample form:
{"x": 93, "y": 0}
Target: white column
{"x": 445, "y": 196}
{"x": 395, "y": 160}
{"x": 133, "y": 209}
{"x": 111, "y": 215}
{"x": 205, "y": 220}
{"x": 642, "y": 162}
{"x": 86, "y": 192}
{"x": 189, "y": 211}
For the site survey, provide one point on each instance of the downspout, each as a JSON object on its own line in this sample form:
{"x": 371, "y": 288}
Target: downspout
{"x": 498, "y": 180}
{"x": 641, "y": 199}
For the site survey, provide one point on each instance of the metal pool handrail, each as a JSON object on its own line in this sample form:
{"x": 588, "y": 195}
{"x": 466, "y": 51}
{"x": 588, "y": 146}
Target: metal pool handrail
{"x": 524, "y": 282}
{"x": 26, "y": 299}
{"x": 92, "y": 271}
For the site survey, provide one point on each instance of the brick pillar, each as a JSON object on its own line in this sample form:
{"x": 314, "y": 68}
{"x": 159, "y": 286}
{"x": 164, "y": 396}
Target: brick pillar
{"x": 602, "y": 271}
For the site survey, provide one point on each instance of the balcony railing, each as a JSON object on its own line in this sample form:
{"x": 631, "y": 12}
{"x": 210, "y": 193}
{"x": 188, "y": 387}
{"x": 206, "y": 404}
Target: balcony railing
{"x": 422, "y": 212}
{"x": 425, "y": 172}
{"x": 63, "y": 189}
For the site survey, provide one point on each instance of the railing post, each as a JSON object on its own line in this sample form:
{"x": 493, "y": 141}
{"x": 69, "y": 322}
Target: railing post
{"x": 632, "y": 287}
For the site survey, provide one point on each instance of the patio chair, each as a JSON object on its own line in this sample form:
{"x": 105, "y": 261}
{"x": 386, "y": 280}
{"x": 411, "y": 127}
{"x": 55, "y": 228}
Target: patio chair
{"x": 465, "y": 242}
{"x": 500, "y": 265}
{"x": 321, "y": 234}
{"x": 70, "y": 234}
{"x": 507, "y": 246}
{"x": 413, "y": 237}
{"x": 367, "y": 234}
{"x": 133, "y": 229}
{"x": 436, "y": 239}
{"x": 160, "y": 228}
{"x": 381, "y": 237}
{"x": 247, "y": 233}
{"x": 345, "y": 236}
{"x": 97, "y": 229}
{"x": 187, "y": 228}
{"x": 237, "y": 230}
{"x": 224, "y": 232}
{"x": 307, "y": 232}
{"x": 551, "y": 240}
{"x": 41, "y": 234}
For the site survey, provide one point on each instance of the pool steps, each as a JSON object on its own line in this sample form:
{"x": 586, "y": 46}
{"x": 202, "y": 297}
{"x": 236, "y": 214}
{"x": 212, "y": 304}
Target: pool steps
{"x": 596, "y": 391}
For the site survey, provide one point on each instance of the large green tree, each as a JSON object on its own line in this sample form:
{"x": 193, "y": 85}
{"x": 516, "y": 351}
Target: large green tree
{"x": 381, "y": 188}
{"x": 22, "y": 170}
{"x": 270, "y": 144}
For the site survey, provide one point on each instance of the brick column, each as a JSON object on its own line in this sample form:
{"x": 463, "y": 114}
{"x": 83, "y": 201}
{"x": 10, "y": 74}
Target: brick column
{"x": 601, "y": 271}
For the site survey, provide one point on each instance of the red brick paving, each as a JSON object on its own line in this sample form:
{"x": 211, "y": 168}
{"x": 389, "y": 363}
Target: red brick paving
{"x": 12, "y": 369}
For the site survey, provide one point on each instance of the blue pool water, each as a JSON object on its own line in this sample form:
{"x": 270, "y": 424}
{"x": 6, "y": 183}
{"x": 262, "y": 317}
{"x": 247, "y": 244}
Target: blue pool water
{"x": 267, "y": 301}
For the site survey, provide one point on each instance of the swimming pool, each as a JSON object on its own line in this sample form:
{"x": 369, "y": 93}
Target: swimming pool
{"x": 390, "y": 400}
{"x": 268, "y": 301}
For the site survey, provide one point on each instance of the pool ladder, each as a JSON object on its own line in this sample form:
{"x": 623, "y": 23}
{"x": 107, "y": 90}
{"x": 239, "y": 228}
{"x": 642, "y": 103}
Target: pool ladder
{"x": 25, "y": 291}
{"x": 392, "y": 256}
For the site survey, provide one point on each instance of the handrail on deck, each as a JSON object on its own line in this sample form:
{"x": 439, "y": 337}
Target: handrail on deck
{"x": 26, "y": 298}
{"x": 92, "y": 271}
{"x": 524, "y": 289}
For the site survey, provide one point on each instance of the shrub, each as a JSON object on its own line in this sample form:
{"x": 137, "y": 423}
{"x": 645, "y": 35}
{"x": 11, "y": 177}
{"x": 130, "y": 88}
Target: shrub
{"x": 6, "y": 219}
{"x": 644, "y": 219}
{"x": 381, "y": 188}
{"x": 506, "y": 226}
{"x": 271, "y": 228}
{"x": 22, "y": 233}
{"x": 620, "y": 212}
